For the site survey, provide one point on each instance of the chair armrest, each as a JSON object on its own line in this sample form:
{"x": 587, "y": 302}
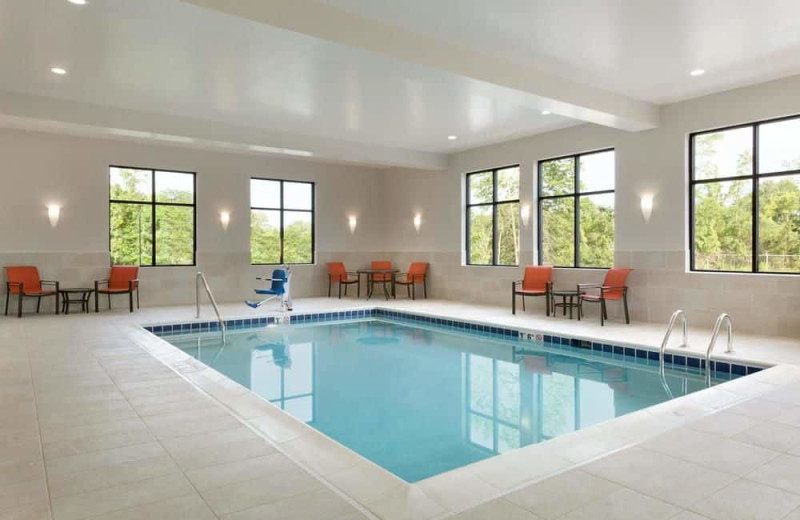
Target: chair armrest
{"x": 98, "y": 283}
{"x": 352, "y": 272}
{"x": 48, "y": 282}
{"x": 590, "y": 286}
{"x": 133, "y": 284}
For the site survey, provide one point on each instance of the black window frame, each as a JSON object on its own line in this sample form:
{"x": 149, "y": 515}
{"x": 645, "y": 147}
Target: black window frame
{"x": 154, "y": 205}
{"x": 281, "y": 211}
{"x": 754, "y": 177}
{"x": 494, "y": 204}
{"x": 576, "y": 195}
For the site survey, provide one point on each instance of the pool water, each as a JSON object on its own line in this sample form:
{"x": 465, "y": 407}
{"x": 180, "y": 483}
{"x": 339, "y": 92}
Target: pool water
{"x": 420, "y": 401}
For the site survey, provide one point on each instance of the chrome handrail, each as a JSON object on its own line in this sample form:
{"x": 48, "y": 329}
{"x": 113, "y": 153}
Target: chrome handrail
{"x": 675, "y": 315}
{"x": 202, "y": 278}
{"x": 723, "y": 318}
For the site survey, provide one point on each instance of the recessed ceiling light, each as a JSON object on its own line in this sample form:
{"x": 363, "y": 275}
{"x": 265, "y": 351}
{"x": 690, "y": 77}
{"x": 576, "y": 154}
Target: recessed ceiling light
{"x": 546, "y": 112}
{"x": 452, "y": 137}
{"x": 78, "y": 2}
{"x": 58, "y": 70}
{"x": 697, "y": 72}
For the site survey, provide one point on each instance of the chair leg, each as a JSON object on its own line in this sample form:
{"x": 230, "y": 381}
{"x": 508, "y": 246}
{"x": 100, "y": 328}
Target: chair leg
{"x": 345, "y": 289}
{"x": 358, "y": 287}
{"x": 425, "y": 286}
{"x": 329, "y": 286}
{"x": 523, "y": 303}
{"x": 109, "y": 301}
{"x": 96, "y": 300}
{"x": 602, "y": 312}
{"x": 137, "y": 299}
{"x": 340, "y": 290}
{"x": 38, "y": 304}
{"x": 130, "y": 299}
{"x": 513, "y": 299}
{"x": 413, "y": 291}
{"x": 19, "y": 304}
{"x": 8, "y": 294}
{"x": 625, "y": 304}
{"x": 408, "y": 290}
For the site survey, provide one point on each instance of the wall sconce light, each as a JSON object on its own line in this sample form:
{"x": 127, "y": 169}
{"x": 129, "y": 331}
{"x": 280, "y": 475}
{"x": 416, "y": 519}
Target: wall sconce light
{"x": 525, "y": 214}
{"x": 53, "y": 213}
{"x": 417, "y": 221}
{"x": 225, "y": 219}
{"x": 352, "y": 222}
{"x": 647, "y": 205}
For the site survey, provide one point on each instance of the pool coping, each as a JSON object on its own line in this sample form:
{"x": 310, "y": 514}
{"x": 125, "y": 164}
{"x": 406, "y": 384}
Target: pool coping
{"x": 380, "y": 492}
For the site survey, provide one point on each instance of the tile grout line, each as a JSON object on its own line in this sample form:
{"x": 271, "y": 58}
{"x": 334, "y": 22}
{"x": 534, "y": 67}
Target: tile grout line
{"x": 39, "y": 431}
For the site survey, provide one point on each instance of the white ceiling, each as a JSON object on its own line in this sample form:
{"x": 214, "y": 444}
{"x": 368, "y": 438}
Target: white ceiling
{"x": 187, "y": 74}
{"x": 639, "y": 48}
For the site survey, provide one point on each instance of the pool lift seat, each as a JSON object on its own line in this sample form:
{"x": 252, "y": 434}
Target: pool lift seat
{"x": 279, "y": 289}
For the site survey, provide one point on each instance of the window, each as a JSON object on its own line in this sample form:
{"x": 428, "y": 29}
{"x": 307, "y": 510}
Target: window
{"x": 745, "y": 198}
{"x": 151, "y": 217}
{"x": 493, "y": 403}
{"x": 281, "y": 222}
{"x": 576, "y": 210}
{"x": 493, "y": 217}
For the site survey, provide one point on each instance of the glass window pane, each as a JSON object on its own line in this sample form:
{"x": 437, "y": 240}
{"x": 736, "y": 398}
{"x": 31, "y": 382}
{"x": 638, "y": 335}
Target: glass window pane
{"x": 508, "y": 184}
{"x": 297, "y": 195}
{"x": 558, "y": 177}
{"x": 723, "y": 226}
{"x": 481, "y": 431}
{"x": 779, "y": 224}
{"x": 723, "y": 154}
{"x": 508, "y": 233}
{"x": 297, "y": 237}
{"x": 597, "y": 171}
{"x": 130, "y": 184}
{"x": 507, "y": 438}
{"x": 299, "y": 371}
{"x": 481, "y": 187}
{"x": 480, "y": 235}
{"x": 597, "y": 230}
{"x": 265, "y": 236}
{"x": 175, "y": 187}
{"x": 174, "y": 235}
{"x": 508, "y": 392}
{"x": 779, "y": 146}
{"x": 558, "y": 232}
{"x": 131, "y": 228}
{"x": 265, "y": 194}
{"x": 481, "y": 383}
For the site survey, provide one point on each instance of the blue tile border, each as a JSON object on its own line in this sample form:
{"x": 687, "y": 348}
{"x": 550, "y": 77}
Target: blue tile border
{"x": 692, "y": 363}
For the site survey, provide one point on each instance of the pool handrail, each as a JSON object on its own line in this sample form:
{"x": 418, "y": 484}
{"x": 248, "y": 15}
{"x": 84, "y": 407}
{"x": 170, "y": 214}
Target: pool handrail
{"x": 722, "y": 318}
{"x": 202, "y": 278}
{"x": 685, "y": 329}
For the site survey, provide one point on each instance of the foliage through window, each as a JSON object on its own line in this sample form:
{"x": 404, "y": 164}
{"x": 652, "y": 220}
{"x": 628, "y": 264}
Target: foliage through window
{"x": 151, "y": 217}
{"x": 745, "y": 198}
{"x": 281, "y": 222}
{"x": 493, "y": 217}
{"x": 576, "y": 210}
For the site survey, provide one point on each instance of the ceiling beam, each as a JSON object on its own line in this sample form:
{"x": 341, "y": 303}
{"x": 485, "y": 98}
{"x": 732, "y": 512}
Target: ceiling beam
{"x": 85, "y": 119}
{"x": 557, "y": 94}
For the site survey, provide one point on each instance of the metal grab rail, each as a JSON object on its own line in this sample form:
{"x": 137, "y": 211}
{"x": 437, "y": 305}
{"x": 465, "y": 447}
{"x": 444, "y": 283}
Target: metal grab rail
{"x": 202, "y": 278}
{"x": 723, "y": 318}
{"x": 675, "y": 315}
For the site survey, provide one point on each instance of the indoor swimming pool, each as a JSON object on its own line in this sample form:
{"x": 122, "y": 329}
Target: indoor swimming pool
{"x": 422, "y": 399}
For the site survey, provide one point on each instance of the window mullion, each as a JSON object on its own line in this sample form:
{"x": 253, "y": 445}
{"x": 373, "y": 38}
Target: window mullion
{"x": 577, "y": 211}
{"x": 754, "y": 200}
{"x": 153, "y": 217}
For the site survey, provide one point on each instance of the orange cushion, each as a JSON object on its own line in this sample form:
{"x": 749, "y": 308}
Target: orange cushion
{"x": 121, "y": 276}
{"x": 527, "y": 291}
{"x": 537, "y": 277}
{"x": 27, "y": 275}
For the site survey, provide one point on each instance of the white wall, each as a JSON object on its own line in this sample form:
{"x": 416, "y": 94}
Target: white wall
{"x": 653, "y": 161}
{"x": 40, "y": 168}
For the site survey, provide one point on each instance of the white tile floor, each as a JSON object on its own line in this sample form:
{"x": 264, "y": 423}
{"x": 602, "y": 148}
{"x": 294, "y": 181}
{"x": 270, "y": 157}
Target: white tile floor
{"x": 101, "y": 420}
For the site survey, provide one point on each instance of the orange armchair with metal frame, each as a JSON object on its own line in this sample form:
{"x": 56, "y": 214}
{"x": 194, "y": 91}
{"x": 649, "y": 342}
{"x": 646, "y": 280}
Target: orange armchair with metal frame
{"x": 24, "y": 281}
{"x": 613, "y": 288}
{"x": 123, "y": 279}
{"x": 417, "y": 273}
{"x": 536, "y": 282}
{"x": 337, "y": 273}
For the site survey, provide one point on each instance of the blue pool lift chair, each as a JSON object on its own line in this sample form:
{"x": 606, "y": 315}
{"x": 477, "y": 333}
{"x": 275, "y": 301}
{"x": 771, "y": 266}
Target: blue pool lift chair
{"x": 279, "y": 289}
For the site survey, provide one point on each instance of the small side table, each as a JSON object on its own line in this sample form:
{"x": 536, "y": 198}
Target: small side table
{"x": 569, "y": 300}
{"x": 74, "y": 296}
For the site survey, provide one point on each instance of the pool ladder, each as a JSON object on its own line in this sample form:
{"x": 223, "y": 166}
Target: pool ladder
{"x": 723, "y": 319}
{"x": 201, "y": 278}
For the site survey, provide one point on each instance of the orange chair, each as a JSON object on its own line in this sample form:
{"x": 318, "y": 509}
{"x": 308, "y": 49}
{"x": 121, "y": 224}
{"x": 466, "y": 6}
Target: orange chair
{"x": 613, "y": 288}
{"x": 337, "y": 273}
{"x": 24, "y": 281}
{"x": 123, "y": 279}
{"x": 417, "y": 273}
{"x": 536, "y": 282}
{"x": 384, "y": 278}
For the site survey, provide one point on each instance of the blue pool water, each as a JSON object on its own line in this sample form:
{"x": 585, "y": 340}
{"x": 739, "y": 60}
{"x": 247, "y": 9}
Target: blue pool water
{"x": 420, "y": 401}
